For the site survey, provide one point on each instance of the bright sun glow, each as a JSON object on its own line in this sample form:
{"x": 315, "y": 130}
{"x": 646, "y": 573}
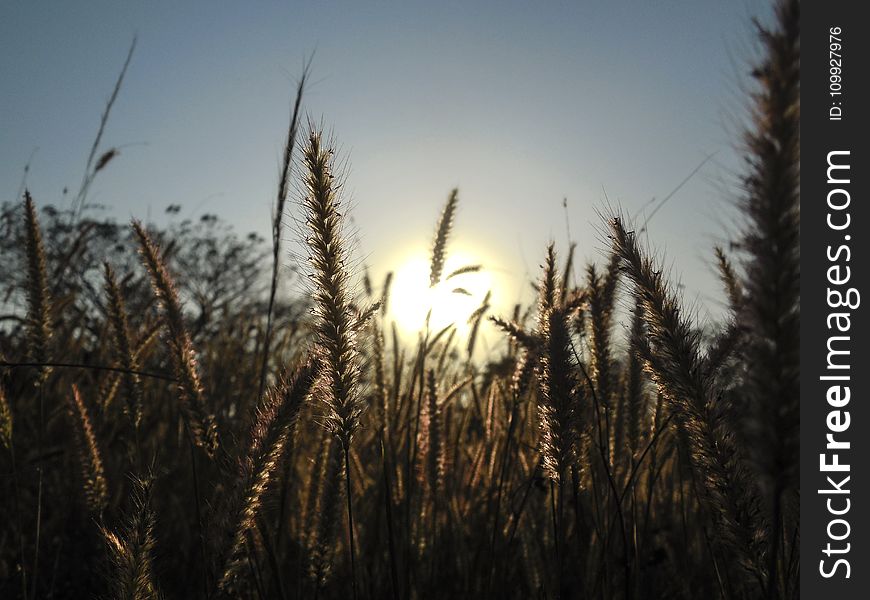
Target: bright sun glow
{"x": 452, "y": 301}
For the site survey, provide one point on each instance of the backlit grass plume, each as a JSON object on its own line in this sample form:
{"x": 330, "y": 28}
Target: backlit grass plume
{"x": 88, "y": 452}
{"x": 124, "y": 355}
{"x": 201, "y": 424}
{"x": 272, "y": 431}
{"x": 560, "y": 397}
{"x": 675, "y": 363}
{"x": 601, "y": 291}
{"x": 38, "y": 298}
{"x": 555, "y": 368}
{"x": 336, "y": 326}
{"x": 431, "y": 440}
{"x": 381, "y": 391}
{"x": 608, "y": 446}
{"x": 130, "y": 550}
{"x": 334, "y": 314}
{"x": 439, "y": 244}
{"x": 558, "y": 385}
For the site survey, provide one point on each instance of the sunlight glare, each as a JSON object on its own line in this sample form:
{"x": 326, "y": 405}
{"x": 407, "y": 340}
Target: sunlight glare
{"x": 452, "y": 301}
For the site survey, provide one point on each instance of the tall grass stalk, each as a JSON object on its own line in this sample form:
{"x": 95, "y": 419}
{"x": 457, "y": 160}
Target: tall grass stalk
{"x": 39, "y": 330}
{"x": 336, "y": 327}
{"x": 125, "y": 356}
{"x": 199, "y": 421}
{"x": 131, "y": 549}
{"x": 89, "y": 454}
{"x": 565, "y": 461}
{"x": 442, "y": 233}
{"x": 674, "y": 361}
{"x": 771, "y": 311}
{"x": 272, "y": 431}
{"x": 278, "y": 222}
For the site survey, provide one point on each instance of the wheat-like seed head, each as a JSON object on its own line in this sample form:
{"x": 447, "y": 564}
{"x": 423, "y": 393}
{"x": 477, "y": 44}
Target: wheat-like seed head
{"x": 601, "y": 293}
{"x": 201, "y": 423}
{"x": 90, "y": 460}
{"x": 124, "y": 354}
{"x": 558, "y": 387}
{"x": 382, "y": 398}
{"x": 431, "y": 443}
{"x": 130, "y": 551}
{"x": 273, "y": 429}
{"x": 550, "y": 288}
{"x": 559, "y": 395}
{"x": 439, "y": 244}
{"x": 771, "y": 205}
{"x": 38, "y": 297}
{"x": 672, "y": 354}
{"x": 516, "y": 332}
{"x": 335, "y": 319}
{"x": 522, "y": 375}
{"x": 548, "y": 353}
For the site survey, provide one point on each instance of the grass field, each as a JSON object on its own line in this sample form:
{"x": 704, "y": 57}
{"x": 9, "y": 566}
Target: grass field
{"x": 175, "y": 423}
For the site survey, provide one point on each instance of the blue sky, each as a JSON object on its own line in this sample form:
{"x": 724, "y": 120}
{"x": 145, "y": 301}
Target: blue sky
{"x": 518, "y": 104}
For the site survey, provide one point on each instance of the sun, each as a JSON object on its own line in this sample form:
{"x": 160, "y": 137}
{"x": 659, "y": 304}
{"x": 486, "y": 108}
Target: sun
{"x": 451, "y": 302}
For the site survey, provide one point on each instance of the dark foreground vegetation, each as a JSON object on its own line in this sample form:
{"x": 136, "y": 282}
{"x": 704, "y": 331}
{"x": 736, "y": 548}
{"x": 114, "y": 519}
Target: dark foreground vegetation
{"x": 174, "y": 424}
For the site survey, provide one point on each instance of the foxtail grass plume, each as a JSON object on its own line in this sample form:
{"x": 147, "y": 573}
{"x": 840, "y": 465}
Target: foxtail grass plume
{"x": 201, "y": 424}
{"x": 439, "y": 244}
{"x": 90, "y": 459}
{"x": 335, "y": 322}
{"x": 601, "y": 294}
{"x": 431, "y": 439}
{"x": 675, "y": 363}
{"x": 273, "y": 430}
{"x": 124, "y": 355}
{"x": 381, "y": 391}
{"x": 556, "y": 372}
{"x": 771, "y": 309}
{"x": 771, "y": 204}
{"x": 130, "y": 550}
{"x": 560, "y": 391}
{"x": 38, "y": 297}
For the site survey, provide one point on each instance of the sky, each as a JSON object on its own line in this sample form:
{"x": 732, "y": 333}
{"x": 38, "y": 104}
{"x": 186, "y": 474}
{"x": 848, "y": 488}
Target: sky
{"x": 526, "y": 107}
